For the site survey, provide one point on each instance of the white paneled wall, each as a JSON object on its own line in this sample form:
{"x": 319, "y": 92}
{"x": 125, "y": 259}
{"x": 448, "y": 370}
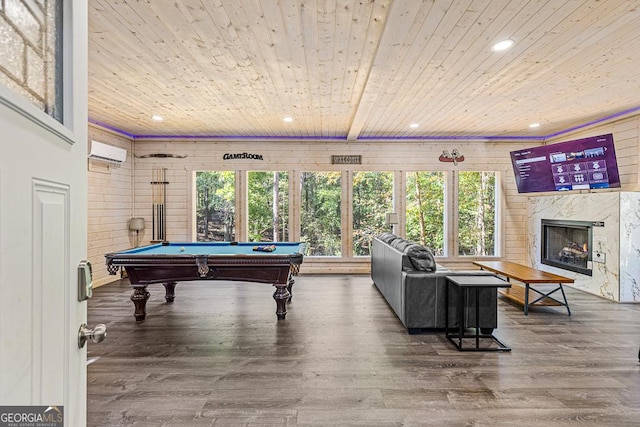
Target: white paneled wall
{"x": 316, "y": 156}
{"x": 125, "y": 191}
{"x": 110, "y": 204}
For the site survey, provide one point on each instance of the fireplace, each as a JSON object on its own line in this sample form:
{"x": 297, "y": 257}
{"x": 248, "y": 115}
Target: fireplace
{"x": 567, "y": 245}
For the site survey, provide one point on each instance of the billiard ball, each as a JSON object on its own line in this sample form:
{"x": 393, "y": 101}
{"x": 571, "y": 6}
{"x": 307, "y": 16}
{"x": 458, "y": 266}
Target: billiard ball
{"x": 181, "y": 248}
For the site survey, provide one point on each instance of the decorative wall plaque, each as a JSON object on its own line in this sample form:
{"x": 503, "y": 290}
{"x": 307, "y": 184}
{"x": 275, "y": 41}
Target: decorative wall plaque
{"x": 233, "y": 156}
{"x": 346, "y": 159}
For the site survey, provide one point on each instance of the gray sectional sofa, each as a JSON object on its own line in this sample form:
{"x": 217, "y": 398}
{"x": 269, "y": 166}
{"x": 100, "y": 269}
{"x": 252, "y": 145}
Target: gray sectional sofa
{"x": 413, "y": 285}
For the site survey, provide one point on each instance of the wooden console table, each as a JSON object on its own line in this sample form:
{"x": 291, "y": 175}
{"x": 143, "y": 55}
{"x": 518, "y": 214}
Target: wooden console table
{"x": 528, "y": 295}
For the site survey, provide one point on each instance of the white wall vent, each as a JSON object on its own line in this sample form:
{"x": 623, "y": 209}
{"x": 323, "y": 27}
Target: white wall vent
{"x": 107, "y": 153}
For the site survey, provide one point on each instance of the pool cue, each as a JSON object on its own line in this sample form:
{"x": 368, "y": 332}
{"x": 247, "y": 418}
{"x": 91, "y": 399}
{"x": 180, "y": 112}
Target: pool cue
{"x": 153, "y": 197}
{"x": 159, "y": 202}
{"x": 158, "y": 205}
{"x": 153, "y": 208}
{"x": 160, "y": 217}
{"x": 164, "y": 202}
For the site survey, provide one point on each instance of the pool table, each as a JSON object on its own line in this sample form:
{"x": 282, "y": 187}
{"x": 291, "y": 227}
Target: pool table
{"x": 170, "y": 262}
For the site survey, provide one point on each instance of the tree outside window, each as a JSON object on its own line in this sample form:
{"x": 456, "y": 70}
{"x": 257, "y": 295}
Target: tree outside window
{"x": 268, "y": 206}
{"x": 476, "y": 213}
{"x": 425, "y": 210}
{"x": 372, "y": 199}
{"x": 215, "y": 209}
{"x": 320, "y": 212}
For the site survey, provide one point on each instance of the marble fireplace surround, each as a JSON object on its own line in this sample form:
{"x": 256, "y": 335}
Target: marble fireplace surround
{"x": 618, "y": 278}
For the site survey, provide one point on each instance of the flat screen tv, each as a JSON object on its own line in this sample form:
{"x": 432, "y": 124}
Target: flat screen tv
{"x": 582, "y": 164}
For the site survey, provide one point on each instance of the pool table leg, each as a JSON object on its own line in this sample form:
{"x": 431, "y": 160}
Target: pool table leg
{"x": 139, "y": 297}
{"x": 281, "y": 295}
{"x": 169, "y": 289}
{"x": 290, "y": 288}
{"x": 295, "y": 268}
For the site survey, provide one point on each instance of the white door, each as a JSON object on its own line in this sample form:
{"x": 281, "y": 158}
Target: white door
{"x": 43, "y": 210}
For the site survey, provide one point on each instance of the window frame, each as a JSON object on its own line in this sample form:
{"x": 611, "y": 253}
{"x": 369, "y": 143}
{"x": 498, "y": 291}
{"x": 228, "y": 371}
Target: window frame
{"x": 193, "y": 218}
{"x": 445, "y": 197}
{"x": 346, "y": 203}
{"x": 345, "y": 213}
{"x": 451, "y": 227}
{"x": 248, "y": 197}
{"x": 74, "y": 101}
{"x": 496, "y": 219}
{"x": 350, "y": 244}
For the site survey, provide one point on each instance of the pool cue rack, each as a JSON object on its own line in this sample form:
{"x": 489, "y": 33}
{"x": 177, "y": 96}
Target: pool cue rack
{"x": 159, "y": 204}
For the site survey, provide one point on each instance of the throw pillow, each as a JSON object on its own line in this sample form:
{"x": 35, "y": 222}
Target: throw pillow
{"x": 421, "y": 258}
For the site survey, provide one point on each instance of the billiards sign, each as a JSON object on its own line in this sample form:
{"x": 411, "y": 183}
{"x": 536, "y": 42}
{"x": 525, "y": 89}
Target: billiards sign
{"x": 234, "y": 156}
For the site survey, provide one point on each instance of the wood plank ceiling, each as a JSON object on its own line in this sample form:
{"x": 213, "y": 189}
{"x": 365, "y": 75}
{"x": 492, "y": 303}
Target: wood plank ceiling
{"x": 359, "y": 69}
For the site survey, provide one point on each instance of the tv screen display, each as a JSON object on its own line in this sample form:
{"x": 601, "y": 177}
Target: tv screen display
{"x": 581, "y": 164}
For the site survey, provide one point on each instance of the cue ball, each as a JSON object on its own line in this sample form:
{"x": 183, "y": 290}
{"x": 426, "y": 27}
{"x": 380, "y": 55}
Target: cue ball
{"x": 181, "y": 248}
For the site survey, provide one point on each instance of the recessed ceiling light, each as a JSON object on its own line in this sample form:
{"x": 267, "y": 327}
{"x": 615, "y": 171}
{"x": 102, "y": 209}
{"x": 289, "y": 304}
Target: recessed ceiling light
{"x": 534, "y": 125}
{"x": 414, "y": 125}
{"x": 157, "y": 118}
{"x": 287, "y": 119}
{"x": 503, "y": 45}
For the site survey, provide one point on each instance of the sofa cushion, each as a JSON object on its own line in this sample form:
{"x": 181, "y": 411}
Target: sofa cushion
{"x": 400, "y": 244}
{"x": 387, "y": 237}
{"x": 421, "y": 258}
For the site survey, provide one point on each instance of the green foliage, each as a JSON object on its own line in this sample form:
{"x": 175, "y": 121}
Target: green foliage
{"x": 425, "y": 209}
{"x": 268, "y": 209}
{"x": 320, "y": 212}
{"x": 215, "y": 206}
{"x": 372, "y": 199}
{"x": 263, "y": 212}
{"x": 476, "y": 213}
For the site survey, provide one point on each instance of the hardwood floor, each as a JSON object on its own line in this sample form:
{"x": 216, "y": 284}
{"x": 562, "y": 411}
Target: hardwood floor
{"x": 218, "y": 356}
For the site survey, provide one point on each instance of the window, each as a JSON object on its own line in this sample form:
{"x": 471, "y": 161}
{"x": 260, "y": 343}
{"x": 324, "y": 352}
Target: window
{"x": 477, "y": 213}
{"x": 425, "y": 210}
{"x": 372, "y": 199}
{"x": 453, "y": 213}
{"x": 215, "y": 208}
{"x": 320, "y": 212}
{"x": 268, "y": 197}
{"x": 31, "y": 52}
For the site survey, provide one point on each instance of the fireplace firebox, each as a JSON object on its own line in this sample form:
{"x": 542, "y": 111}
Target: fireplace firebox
{"x": 567, "y": 245}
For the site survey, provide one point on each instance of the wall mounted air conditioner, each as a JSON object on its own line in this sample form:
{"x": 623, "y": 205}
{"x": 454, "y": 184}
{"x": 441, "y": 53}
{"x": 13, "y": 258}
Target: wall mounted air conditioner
{"x": 107, "y": 153}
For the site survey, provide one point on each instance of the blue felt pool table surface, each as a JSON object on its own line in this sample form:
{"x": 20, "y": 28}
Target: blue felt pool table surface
{"x": 216, "y": 248}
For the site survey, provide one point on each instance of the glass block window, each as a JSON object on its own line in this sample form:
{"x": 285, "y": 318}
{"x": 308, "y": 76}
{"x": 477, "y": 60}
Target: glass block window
{"x": 31, "y": 51}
